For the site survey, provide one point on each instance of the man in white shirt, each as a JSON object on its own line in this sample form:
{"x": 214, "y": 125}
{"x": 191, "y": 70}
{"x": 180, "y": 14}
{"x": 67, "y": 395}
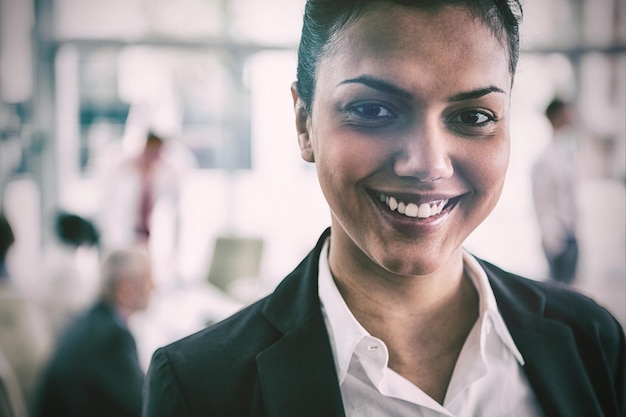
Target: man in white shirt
{"x": 555, "y": 177}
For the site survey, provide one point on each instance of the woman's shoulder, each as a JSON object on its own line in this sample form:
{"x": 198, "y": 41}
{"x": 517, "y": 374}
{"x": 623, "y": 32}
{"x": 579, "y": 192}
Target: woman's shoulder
{"x": 220, "y": 359}
{"x": 239, "y": 336}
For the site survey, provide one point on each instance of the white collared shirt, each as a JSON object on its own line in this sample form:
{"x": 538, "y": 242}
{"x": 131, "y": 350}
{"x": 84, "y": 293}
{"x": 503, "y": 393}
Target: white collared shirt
{"x": 488, "y": 380}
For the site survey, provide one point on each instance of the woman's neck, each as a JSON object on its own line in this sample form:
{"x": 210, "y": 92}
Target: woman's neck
{"x": 423, "y": 320}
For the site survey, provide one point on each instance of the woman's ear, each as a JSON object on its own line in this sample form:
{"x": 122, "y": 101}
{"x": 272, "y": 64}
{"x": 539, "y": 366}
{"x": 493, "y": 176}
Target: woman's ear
{"x": 302, "y": 125}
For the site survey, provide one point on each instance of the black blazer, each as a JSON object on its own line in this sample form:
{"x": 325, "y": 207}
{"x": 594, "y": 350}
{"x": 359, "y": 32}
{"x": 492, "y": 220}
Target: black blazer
{"x": 94, "y": 371}
{"x": 274, "y": 357}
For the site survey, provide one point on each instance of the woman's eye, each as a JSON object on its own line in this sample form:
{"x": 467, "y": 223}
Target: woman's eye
{"x": 473, "y": 118}
{"x": 475, "y": 122}
{"x": 370, "y": 112}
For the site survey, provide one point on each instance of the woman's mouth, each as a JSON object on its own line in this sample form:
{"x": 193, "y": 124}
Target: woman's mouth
{"x": 415, "y": 210}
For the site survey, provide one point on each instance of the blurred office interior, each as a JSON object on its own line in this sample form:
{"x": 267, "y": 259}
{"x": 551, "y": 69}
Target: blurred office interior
{"x": 81, "y": 82}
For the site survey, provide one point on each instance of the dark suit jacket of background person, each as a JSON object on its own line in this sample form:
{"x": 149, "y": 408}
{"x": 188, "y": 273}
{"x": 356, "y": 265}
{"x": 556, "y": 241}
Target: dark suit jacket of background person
{"x": 94, "y": 370}
{"x": 274, "y": 357}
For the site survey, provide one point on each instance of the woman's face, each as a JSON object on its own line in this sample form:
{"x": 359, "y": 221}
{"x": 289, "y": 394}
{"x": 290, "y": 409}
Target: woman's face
{"x": 409, "y": 131}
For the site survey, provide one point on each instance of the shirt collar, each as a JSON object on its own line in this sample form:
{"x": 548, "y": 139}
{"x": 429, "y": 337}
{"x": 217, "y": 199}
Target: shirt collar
{"x": 346, "y": 332}
{"x": 488, "y": 307}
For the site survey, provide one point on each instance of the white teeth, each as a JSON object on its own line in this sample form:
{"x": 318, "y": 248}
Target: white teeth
{"x": 411, "y": 210}
{"x": 393, "y": 204}
{"x": 421, "y": 211}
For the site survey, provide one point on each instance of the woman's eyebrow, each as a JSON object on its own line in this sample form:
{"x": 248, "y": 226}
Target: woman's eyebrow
{"x": 473, "y": 94}
{"x": 387, "y": 87}
{"x": 378, "y": 84}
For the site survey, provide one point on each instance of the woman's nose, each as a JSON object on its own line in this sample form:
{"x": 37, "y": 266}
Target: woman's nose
{"x": 424, "y": 154}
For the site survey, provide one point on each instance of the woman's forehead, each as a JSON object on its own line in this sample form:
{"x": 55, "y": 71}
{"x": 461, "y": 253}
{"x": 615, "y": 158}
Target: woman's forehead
{"x": 448, "y": 24}
{"x": 401, "y": 43}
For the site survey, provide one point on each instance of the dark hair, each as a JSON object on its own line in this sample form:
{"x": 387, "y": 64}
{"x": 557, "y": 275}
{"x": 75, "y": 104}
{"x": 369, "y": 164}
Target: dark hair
{"x": 6, "y": 237}
{"x": 324, "y": 18}
{"x": 75, "y": 230}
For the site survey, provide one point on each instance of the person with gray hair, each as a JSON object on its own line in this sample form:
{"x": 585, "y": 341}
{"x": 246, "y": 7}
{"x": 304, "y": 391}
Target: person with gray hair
{"x": 95, "y": 369}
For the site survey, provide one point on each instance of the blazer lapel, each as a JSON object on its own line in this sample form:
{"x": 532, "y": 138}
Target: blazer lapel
{"x": 297, "y": 373}
{"x": 298, "y": 376}
{"x": 552, "y": 362}
{"x": 554, "y": 369}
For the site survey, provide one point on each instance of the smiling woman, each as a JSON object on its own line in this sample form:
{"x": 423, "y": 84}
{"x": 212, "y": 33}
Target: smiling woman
{"x": 403, "y": 107}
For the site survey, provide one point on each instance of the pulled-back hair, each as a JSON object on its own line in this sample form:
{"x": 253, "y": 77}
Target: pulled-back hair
{"x": 323, "y": 19}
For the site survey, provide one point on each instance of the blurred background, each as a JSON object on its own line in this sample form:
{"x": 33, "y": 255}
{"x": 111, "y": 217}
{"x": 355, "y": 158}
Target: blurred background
{"x": 82, "y": 82}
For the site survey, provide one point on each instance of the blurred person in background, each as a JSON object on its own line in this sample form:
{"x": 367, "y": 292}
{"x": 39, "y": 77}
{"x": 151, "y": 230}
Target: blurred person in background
{"x": 404, "y": 107}
{"x": 11, "y": 400}
{"x": 555, "y": 176}
{"x": 133, "y": 190}
{"x": 94, "y": 370}
{"x": 71, "y": 273}
{"x": 24, "y": 337}
{"x": 140, "y": 204}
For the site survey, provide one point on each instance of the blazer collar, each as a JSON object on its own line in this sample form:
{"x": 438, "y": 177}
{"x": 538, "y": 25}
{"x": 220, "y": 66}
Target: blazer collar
{"x": 297, "y": 373}
{"x": 552, "y": 362}
{"x": 296, "y": 297}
